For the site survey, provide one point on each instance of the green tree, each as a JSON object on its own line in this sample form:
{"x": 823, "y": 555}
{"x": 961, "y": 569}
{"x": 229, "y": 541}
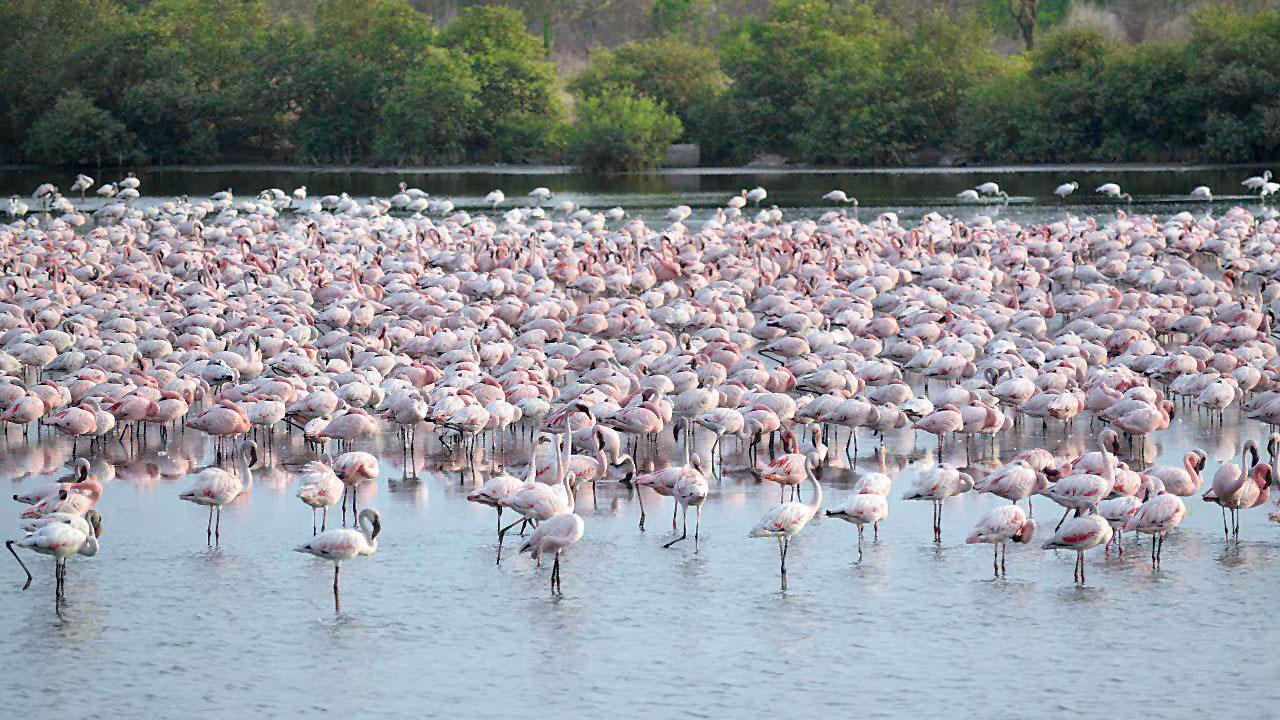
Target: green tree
{"x": 43, "y": 53}
{"x": 621, "y": 130}
{"x": 1232, "y": 80}
{"x": 76, "y": 132}
{"x": 358, "y": 53}
{"x": 515, "y": 82}
{"x": 683, "y": 77}
{"x": 428, "y": 115}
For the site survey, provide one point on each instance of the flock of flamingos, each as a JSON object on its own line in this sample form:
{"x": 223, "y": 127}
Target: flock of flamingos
{"x": 595, "y": 336}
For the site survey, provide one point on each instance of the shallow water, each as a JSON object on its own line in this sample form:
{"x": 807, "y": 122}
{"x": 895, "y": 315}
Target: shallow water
{"x": 160, "y": 624}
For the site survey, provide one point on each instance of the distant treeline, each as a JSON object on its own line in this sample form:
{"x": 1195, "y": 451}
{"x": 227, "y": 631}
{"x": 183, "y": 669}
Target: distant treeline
{"x": 816, "y": 81}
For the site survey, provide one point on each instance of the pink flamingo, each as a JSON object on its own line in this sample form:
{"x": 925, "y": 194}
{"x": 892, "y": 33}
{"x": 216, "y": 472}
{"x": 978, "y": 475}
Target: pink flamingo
{"x": 936, "y": 485}
{"x": 784, "y": 521}
{"x": 1080, "y": 533}
{"x": 321, "y": 489}
{"x": 354, "y": 468}
{"x": 1234, "y": 489}
{"x": 343, "y": 544}
{"x": 1000, "y": 526}
{"x": 215, "y": 487}
{"x": 1159, "y": 513}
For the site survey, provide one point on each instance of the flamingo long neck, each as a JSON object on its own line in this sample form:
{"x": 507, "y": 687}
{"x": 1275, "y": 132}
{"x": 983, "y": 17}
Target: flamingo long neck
{"x": 602, "y": 457}
{"x": 532, "y": 474}
{"x": 567, "y": 449}
{"x": 90, "y": 546}
{"x": 243, "y": 469}
{"x": 815, "y": 502}
{"x": 366, "y": 529}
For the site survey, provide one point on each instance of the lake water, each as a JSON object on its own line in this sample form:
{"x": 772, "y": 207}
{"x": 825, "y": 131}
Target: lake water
{"x": 159, "y": 625}
{"x": 910, "y": 192}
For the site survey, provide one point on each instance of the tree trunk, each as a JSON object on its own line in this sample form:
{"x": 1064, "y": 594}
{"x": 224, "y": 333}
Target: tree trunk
{"x": 1025, "y": 13}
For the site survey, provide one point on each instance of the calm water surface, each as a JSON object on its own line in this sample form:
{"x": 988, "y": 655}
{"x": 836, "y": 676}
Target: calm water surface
{"x": 158, "y": 625}
{"x": 908, "y": 192}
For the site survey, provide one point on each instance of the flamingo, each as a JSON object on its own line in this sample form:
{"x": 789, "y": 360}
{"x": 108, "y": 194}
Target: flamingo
{"x": 555, "y": 535}
{"x": 1160, "y": 513}
{"x": 691, "y": 489}
{"x": 1184, "y": 481}
{"x": 215, "y": 487}
{"x": 1237, "y": 487}
{"x": 788, "y": 469}
{"x": 999, "y": 526}
{"x": 786, "y": 520}
{"x": 1065, "y": 189}
{"x": 936, "y": 485}
{"x": 1080, "y": 533}
{"x": 321, "y": 489}
{"x": 862, "y": 509}
{"x": 353, "y": 468}
{"x": 59, "y": 540}
{"x": 342, "y": 544}
{"x": 501, "y": 486}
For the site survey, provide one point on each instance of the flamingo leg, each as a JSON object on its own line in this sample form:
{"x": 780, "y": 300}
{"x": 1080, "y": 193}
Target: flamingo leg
{"x": 860, "y": 529}
{"x": 502, "y": 531}
{"x": 1064, "y": 519}
{"x": 9, "y": 544}
{"x": 313, "y": 522}
{"x": 324, "y": 518}
{"x": 685, "y": 534}
{"x": 640, "y": 497}
{"x": 995, "y": 559}
{"x": 217, "y": 528}
{"x": 336, "y": 604}
{"x": 499, "y": 560}
{"x": 783, "y": 544}
{"x": 208, "y": 531}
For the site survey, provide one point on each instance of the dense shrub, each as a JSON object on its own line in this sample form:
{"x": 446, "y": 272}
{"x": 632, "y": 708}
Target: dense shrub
{"x": 618, "y": 129}
{"x": 684, "y": 77}
{"x": 515, "y": 80}
{"x": 428, "y": 116}
{"x": 76, "y": 132}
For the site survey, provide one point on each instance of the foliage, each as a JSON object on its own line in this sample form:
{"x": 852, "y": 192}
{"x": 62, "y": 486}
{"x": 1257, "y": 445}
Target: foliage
{"x": 834, "y": 82}
{"x": 514, "y": 78}
{"x": 618, "y": 129}
{"x": 429, "y": 114}
{"x": 76, "y": 132}
{"x": 816, "y": 81}
{"x": 685, "y": 78}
